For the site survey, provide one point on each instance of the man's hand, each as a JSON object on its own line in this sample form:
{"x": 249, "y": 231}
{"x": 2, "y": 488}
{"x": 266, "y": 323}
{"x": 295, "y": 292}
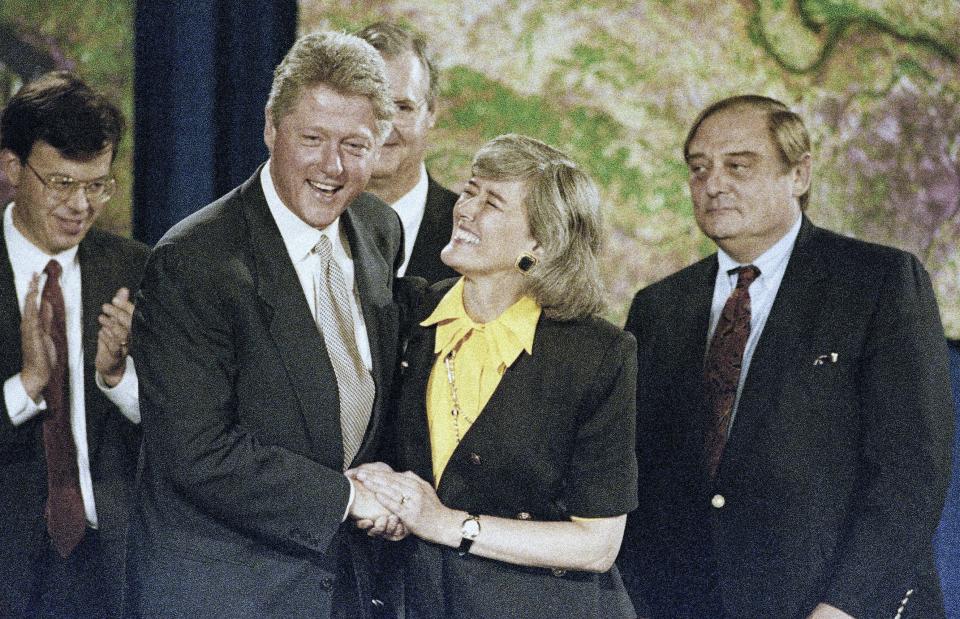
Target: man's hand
{"x": 389, "y": 526}
{"x": 114, "y": 337}
{"x": 38, "y": 351}
{"x": 825, "y": 611}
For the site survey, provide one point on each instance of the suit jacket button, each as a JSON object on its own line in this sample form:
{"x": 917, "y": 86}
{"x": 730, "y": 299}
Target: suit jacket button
{"x": 523, "y": 516}
{"x": 558, "y": 572}
{"x": 474, "y": 459}
{"x": 326, "y": 584}
{"x": 718, "y": 501}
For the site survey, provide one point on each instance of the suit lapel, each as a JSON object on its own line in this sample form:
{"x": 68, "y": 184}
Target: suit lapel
{"x": 415, "y": 434}
{"x": 9, "y": 313}
{"x": 793, "y": 315}
{"x": 373, "y": 276}
{"x": 693, "y": 322}
{"x": 291, "y": 325}
{"x": 434, "y": 232}
{"x": 96, "y": 281}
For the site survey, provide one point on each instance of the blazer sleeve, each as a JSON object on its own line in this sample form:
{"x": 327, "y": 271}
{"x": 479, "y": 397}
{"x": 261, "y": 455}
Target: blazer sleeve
{"x": 602, "y": 477}
{"x": 907, "y": 419}
{"x": 186, "y": 354}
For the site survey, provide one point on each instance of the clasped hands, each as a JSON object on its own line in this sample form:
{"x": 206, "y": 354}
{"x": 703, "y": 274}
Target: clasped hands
{"x": 391, "y": 505}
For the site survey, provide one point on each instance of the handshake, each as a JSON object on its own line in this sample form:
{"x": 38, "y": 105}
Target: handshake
{"x": 391, "y": 505}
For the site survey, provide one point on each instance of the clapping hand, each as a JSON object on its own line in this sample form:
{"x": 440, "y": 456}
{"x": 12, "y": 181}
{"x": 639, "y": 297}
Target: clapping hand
{"x": 113, "y": 338}
{"x": 38, "y": 351}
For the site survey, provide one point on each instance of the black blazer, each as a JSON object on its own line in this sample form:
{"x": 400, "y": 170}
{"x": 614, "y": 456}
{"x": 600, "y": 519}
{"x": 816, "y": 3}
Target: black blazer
{"x": 555, "y": 440}
{"x": 107, "y": 262}
{"x": 834, "y": 473}
{"x": 433, "y": 235}
{"x": 242, "y": 492}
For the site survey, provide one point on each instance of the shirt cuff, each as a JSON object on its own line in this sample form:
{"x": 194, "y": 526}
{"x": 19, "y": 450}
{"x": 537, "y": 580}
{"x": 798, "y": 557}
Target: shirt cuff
{"x": 125, "y": 395}
{"x": 20, "y": 406}
{"x": 346, "y": 513}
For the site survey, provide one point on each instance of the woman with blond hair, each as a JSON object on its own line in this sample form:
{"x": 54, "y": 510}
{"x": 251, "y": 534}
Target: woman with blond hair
{"x": 516, "y": 421}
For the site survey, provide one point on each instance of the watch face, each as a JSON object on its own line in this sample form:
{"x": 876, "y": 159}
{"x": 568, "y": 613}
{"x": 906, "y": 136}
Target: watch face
{"x": 470, "y": 528}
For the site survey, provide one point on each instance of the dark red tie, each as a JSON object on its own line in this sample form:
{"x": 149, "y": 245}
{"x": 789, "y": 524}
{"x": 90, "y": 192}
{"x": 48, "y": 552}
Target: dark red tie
{"x": 66, "y": 520}
{"x": 721, "y": 369}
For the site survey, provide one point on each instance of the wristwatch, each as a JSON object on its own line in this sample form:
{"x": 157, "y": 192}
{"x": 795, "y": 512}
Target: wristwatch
{"x": 469, "y": 531}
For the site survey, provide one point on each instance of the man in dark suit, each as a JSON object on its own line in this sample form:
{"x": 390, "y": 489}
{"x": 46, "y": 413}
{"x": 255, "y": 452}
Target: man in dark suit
{"x": 266, "y": 337}
{"x": 794, "y": 410}
{"x": 400, "y": 177}
{"x": 68, "y": 425}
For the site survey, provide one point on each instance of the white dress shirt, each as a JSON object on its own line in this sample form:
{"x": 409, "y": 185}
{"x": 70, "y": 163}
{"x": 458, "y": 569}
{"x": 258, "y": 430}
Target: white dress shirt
{"x": 411, "y": 207}
{"x": 299, "y": 238}
{"x": 26, "y": 260}
{"x": 763, "y": 291}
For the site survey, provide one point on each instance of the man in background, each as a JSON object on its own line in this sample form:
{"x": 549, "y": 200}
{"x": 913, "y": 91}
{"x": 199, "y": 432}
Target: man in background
{"x": 400, "y": 177}
{"x": 794, "y": 415}
{"x": 69, "y": 433}
{"x": 266, "y": 336}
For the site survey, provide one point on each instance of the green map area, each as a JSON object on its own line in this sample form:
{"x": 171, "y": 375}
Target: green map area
{"x": 616, "y": 85}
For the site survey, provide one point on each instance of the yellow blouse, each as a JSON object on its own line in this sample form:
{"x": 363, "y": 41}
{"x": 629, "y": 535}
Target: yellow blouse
{"x": 481, "y": 353}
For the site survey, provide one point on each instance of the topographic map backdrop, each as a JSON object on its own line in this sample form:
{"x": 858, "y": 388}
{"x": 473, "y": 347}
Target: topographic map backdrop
{"x": 617, "y": 84}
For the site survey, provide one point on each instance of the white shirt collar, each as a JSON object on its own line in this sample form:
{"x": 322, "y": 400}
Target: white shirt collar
{"x": 26, "y": 257}
{"x": 299, "y": 237}
{"x": 769, "y": 261}
{"x": 410, "y": 206}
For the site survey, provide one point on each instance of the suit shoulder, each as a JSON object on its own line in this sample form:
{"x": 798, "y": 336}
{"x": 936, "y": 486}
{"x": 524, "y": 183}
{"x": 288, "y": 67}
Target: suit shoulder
{"x": 118, "y": 244}
{"x": 592, "y": 336}
{"x": 374, "y": 212}
{"x": 439, "y": 195}
{"x": 213, "y": 225}
{"x": 864, "y": 266}
{"x": 677, "y": 284}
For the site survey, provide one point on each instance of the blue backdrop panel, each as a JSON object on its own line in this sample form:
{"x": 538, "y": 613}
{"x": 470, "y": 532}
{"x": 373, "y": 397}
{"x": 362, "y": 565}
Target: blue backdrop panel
{"x": 202, "y": 74}
{"x": 948, "y": 535}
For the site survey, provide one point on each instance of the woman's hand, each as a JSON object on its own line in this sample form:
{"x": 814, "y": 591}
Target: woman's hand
{"x": 388, "y": 527}
{"x": 416, "y": 503}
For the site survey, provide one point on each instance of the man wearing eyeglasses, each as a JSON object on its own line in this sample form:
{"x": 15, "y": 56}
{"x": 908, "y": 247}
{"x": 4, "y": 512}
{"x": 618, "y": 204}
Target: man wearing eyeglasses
{"x": 69, "y": 432}
{"x": 400, "y": 177}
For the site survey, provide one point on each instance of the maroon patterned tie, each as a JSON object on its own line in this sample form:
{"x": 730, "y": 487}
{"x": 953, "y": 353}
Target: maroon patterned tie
{"x": 721, "y": 369}
{"x": 66, "y": 521}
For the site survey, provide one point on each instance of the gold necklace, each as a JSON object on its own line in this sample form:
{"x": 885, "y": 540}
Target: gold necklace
{"x": 452, "y": 381}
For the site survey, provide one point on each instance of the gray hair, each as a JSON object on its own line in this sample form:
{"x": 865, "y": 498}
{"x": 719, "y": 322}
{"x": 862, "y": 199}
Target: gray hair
{"x": 563, "y": 208}
{"x": 392, "y": 39}
{"x": 341, "y": 61}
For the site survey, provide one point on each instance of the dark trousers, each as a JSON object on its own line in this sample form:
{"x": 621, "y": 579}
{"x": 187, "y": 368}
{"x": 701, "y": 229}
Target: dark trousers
{"x": 79, "y": 586}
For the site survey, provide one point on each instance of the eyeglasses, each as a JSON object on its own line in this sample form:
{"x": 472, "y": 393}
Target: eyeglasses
{"x": 62, "y": 188}
{"x": 407, "y": 111}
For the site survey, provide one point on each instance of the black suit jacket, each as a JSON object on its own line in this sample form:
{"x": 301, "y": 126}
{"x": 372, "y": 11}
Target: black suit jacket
{"x": 433, "y": 235}
{"x": 834, "y": 473}
{"x": 107, "y": 262}
{"x": 242, "y": 491}
{"x": 555, "y": 440}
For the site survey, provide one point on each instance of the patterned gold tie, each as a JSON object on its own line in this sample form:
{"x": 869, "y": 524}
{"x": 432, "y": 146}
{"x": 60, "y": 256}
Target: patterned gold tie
{"x": 354, "y": 383}
{"x": 721, "y": 369}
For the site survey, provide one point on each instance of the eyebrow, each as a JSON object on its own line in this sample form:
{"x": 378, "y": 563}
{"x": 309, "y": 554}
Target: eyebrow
{"x": 740, "y": 153}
